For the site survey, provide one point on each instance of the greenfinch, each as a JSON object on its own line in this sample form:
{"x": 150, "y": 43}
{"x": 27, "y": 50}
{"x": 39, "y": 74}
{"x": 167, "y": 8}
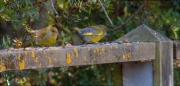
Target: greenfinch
{"x": 45, "y": 37}
{"x": 92, "y": 34}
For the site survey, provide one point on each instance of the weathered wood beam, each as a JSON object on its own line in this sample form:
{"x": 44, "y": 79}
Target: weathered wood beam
{"x": 176, "y": 49}
{"x": 46, "y": 57}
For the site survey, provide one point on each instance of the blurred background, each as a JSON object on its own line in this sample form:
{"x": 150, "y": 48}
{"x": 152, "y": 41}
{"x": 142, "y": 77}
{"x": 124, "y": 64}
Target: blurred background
{"x": 17, "y": 15}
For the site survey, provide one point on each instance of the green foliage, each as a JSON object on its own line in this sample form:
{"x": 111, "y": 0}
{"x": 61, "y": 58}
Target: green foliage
{"x": 177, "y": 76}
{"x": 84, "y": 75}
{"x": 13, "y": 77}
{"x": 6, "y": 43}
{"x": 18, "y": 12}
{"x": 24, "y": 77}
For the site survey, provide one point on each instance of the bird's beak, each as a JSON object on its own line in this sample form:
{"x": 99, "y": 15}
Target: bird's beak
{"x": 58, "y": 36}
{"x": 57, "y": 33}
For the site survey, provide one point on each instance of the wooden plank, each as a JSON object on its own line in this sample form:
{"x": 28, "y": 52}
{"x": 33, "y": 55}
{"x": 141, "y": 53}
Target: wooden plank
{"x": 137, "y": 74}
{"x": 100, "y": 53}
{"x": 176, "y": 49}
{"x": 163, "y": 64}
{"x": 117, "y": 74}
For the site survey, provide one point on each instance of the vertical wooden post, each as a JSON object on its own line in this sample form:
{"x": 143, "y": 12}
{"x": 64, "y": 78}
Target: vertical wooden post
{"x": 176, "y": 49}
{"x": 162, "y": 66}
{"x": 137, "y": 74}
{"x": 117, "y": 74}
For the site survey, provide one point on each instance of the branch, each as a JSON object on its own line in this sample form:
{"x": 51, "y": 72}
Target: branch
{"x": 105, "y": 12}
{"x": 39, "y": 2}
{"x": 119, "y": 27}
{"x": 54, "y": 8}
{"x": 56, "y": 13}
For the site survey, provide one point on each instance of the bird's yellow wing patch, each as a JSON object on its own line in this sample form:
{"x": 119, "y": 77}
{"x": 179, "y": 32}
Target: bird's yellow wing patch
{"x": 88, "y": 33}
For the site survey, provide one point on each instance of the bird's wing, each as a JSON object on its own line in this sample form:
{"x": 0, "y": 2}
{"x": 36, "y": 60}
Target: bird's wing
{"x": 42, "y": 33}
{"x": 91, "y": 31}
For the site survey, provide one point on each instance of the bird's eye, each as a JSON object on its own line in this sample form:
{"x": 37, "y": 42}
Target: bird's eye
{"x": 53, "y": 31}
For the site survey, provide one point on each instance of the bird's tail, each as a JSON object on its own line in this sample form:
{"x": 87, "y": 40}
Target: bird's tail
{"x": 32, "y": 32}
{"x": 77, "y": 29}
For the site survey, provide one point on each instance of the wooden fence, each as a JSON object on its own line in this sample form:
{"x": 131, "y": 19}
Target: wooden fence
{"x": 153, "y": 51}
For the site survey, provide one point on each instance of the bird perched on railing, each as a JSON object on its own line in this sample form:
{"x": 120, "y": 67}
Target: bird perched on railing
{"x": 44, "y": 37}
{"x": 92, "y": 34}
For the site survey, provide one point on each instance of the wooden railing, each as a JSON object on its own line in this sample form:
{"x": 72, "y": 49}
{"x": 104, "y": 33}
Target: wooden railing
{"x": 152, "y": 51}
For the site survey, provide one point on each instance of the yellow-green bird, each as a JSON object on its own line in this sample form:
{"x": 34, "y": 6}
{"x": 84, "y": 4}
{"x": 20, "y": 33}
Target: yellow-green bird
{"x": 46, "y": 36}
{"x": 92, "y": 34}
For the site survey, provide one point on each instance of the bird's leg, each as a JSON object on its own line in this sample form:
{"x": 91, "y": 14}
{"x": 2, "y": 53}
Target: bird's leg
{"x": 46, "y": 48}
{"x": 96, "y": 42}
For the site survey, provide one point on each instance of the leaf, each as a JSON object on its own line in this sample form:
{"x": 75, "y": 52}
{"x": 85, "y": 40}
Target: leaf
{"x": 2, "y": 9}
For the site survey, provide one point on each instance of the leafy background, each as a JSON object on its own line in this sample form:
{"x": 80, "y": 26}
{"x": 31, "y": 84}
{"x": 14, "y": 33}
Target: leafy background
{"x": 15, "y": 16}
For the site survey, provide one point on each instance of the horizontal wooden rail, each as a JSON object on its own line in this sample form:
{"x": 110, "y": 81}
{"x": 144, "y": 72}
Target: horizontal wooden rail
{"x": 99, "y": 53}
